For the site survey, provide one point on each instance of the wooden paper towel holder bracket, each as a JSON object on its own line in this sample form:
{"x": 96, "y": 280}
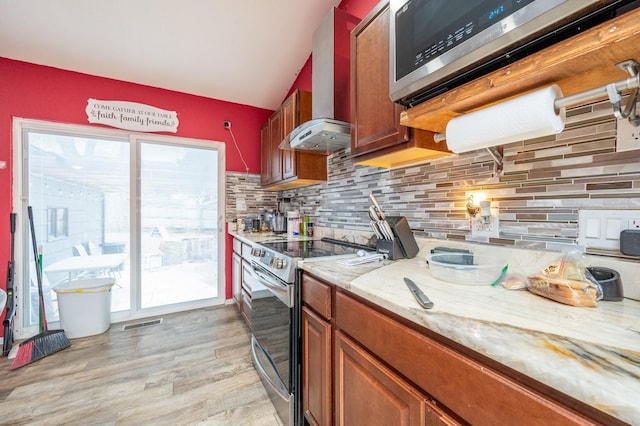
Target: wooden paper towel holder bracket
{"x": 612, "y": 91}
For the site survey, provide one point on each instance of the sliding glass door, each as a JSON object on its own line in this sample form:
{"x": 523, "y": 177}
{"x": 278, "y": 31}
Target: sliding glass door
{"x": 142, "y": 210}
{"x": 178, "y": 223}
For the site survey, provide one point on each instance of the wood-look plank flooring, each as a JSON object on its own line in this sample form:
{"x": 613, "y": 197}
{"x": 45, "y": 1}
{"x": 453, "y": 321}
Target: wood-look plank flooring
{"x": 193, "y": 369}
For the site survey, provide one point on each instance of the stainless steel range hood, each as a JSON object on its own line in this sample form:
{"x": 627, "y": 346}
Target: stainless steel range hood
{"x": 329, "y": 130}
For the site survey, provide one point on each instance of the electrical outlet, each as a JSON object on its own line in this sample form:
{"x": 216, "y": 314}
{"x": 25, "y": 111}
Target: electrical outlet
{"x": 634, "y": 223}
{"x": 491, "y": 228}
{"x": 627, "y": 136}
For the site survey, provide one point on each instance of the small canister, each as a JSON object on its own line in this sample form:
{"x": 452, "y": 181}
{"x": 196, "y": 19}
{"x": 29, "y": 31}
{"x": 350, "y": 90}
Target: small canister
{"x": 610, "y": 282}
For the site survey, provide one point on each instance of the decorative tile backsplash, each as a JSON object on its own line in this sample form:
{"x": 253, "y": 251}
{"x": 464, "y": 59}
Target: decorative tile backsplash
{"x": 545, "y": 182}
{"x": 245, "y": 197}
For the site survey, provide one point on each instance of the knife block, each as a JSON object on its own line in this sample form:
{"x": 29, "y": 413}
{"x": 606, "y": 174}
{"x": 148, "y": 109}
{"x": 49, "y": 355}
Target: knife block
{"x": 404, "y": 243}
{"x": 390, "y": 248}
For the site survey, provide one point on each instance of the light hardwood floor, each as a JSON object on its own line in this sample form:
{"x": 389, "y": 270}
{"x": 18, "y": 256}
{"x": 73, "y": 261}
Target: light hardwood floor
{"x": 193, "y": 369}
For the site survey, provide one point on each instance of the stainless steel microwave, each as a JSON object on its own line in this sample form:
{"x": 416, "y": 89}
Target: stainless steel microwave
{"x": 436, "y": 45}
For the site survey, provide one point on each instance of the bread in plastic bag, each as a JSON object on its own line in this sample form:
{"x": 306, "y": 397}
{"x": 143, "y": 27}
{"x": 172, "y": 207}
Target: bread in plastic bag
{"x": 567, "y": 281}
{"x": 515, "y": 281}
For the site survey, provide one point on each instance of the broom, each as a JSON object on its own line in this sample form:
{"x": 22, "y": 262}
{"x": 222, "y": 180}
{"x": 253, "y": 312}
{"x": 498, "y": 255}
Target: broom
{"x": 48, "y": 341}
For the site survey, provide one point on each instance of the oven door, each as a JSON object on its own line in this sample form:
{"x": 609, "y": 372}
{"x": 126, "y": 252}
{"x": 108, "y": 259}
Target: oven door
{"x": 272, "y": 341}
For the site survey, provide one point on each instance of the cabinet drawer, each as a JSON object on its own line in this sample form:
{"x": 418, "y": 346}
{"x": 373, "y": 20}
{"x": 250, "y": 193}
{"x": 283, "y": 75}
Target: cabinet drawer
{"x": 317, "y": 295}
{"x": 475, "y": 392}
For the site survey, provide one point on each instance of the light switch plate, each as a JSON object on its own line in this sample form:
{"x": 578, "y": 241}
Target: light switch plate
{"x": 600, "y": 229}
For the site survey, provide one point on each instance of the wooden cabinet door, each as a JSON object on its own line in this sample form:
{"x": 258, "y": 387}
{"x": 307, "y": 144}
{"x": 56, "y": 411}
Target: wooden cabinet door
{"x": 368, "y": 393}
{"x": 376, "y": 119}
{"x": 275, "y": 153}
{"x": 316, "y": 369}
{"x": 286, "y": 169}
{"x": 289, "y": 123}
{"x": 265, "y": 152}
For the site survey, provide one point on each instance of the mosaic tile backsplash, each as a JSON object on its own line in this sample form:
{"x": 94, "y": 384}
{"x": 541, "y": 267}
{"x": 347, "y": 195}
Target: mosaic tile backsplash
{"x": 245, "y": 197}
{"x": 545, "y": 182}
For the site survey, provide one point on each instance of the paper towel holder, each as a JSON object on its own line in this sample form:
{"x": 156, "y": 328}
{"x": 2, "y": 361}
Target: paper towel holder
{"x": 496, "y": 152}
{"x": 612, "y": 91}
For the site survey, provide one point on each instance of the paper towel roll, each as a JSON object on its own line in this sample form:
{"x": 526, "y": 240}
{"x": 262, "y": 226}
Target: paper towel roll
{"x": 530, "y": 116}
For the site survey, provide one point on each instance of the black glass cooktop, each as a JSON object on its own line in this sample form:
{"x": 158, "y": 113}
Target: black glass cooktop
{"x": 308, "y": 249}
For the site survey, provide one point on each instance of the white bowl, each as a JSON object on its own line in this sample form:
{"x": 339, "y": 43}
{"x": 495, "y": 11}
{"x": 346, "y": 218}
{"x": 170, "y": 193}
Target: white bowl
{"x": 465, "y": 268}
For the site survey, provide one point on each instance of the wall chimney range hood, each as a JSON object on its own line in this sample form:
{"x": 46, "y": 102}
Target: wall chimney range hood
{"x": 329, "y": 130}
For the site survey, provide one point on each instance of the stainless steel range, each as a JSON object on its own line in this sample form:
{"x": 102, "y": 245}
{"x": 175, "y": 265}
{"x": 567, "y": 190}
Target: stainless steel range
{"x": 276, "y": 340}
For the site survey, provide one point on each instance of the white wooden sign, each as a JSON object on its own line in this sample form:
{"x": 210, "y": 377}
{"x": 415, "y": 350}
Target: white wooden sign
{"x": 131, "y": 116}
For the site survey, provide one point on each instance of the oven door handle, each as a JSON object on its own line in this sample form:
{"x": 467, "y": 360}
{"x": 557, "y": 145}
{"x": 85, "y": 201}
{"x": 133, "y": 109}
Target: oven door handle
{"x": 279, "y": 387}
{"x": 282, "y": 292}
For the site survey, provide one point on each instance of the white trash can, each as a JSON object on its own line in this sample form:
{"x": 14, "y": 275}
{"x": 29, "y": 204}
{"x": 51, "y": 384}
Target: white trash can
{"x": 84, "y": 306}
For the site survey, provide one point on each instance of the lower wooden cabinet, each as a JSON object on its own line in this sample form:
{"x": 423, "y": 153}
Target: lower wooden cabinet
{"x": 316, "y": 368}
{"x": 365, "y": 366}
{"x": 369, "y": 393}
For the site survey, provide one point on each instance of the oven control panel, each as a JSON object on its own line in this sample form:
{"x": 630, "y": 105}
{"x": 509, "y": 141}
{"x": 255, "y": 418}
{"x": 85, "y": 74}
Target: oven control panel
{"x": 280, "y": 265}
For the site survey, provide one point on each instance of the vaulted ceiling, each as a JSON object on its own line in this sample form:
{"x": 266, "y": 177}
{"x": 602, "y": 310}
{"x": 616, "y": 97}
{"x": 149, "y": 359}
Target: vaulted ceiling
{"x": 243, "y": 51}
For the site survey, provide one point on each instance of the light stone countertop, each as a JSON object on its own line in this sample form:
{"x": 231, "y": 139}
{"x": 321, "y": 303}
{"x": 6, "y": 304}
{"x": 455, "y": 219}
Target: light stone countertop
{"x": 591, "y": 354}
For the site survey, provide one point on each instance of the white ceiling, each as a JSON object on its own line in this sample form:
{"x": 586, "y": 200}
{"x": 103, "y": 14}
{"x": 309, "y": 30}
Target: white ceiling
{"x": 243, "y": 51}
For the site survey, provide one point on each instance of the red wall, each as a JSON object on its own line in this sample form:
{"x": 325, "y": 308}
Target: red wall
{"x": 358, "y": 8}
{"x": 44, "y": 93}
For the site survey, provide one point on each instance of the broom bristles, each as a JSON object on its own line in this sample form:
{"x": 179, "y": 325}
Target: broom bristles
{"x": 40, "y": 346}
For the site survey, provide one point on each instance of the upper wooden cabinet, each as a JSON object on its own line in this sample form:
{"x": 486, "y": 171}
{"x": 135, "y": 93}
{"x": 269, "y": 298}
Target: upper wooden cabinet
{"x": 274, "y": 153}
{"x": 577, "y": 64}
{"x": 265, "y": 153}
{"x": 285, "y": 169}
{"x": 377, "y": 138}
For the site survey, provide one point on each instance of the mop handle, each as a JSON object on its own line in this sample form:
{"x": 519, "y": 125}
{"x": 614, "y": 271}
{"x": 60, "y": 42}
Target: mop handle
{"x": 38, "y": 272}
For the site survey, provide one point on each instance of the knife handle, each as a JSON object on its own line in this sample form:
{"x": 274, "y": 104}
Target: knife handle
{"x": 377, "y": 206}
{"x": 420, "y": 297}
